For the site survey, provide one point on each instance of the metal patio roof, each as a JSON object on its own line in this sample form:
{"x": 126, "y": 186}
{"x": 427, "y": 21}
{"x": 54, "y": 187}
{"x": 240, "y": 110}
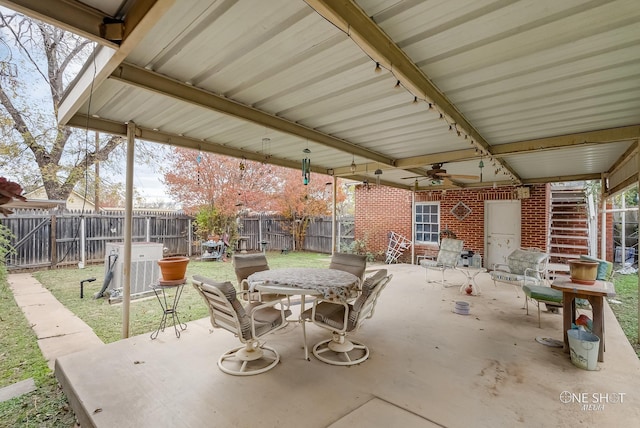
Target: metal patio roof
{"x": 540, "y": 91}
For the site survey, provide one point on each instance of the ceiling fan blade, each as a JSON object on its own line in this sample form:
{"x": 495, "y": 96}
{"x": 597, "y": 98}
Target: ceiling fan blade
{"x": 413, "y": 176}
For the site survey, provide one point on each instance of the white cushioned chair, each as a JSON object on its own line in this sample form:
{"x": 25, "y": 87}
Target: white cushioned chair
{"x": 523, "y": 267}
{"x": 248, "y": 322}
{"x": 245, "y": 265}
{"x": 352, "y": 263}
{"x": 343, "y": 318}
{"x": 448, "y": 257}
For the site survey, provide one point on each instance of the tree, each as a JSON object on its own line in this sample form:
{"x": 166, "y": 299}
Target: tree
{"x": 301, "y": 203}
{"x": 28, "y": 117}
{"x": 228, "y": 186}
{"x": 231, "y": 185}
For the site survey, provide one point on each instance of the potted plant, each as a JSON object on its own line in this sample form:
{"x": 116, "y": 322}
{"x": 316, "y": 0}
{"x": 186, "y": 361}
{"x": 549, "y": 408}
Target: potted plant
{"x": 173, "y": 268}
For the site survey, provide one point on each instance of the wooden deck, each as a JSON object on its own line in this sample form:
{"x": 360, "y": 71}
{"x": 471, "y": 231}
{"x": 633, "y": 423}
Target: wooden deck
{"x": 428, "y": 367}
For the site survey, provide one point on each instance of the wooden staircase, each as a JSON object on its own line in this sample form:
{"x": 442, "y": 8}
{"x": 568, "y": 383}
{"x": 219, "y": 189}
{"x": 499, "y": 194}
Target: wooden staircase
{"x": 568, "y": 223}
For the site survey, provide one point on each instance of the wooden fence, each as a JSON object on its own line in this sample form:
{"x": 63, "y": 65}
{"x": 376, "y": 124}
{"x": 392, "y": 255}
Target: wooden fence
{"x": 45, "y": 238}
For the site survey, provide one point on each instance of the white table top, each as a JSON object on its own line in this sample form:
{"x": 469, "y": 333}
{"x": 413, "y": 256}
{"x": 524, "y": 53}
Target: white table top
{"x": 333, "y": 284}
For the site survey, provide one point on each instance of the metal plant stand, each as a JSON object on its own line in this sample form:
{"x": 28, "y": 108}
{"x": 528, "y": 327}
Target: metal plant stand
{"x": 167, "y": 308}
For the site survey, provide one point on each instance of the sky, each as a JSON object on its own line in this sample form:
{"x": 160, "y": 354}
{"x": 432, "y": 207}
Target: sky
{"x": 147, "y": 178}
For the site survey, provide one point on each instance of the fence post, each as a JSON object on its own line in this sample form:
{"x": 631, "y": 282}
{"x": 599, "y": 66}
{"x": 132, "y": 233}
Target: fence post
{"x": 54, "y": 243}
{"x": 189, "y": 238}
{"x": 83, "y": 243}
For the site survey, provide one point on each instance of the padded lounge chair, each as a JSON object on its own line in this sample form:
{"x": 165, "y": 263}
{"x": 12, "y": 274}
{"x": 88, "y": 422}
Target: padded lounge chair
{"x": 245, "y": 265}
{"x": 524, "y": 267}
{"x": 343, "y": 318}
{"x": 248, "y": 322}
{"x": 448, "y": 256}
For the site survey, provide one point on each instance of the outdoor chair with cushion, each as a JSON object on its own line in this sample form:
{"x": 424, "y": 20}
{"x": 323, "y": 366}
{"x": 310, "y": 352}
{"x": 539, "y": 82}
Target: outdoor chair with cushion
{"x": 352, "y": 263}
{"x": 538, "y": 294}
{"x": 245, "y": 265}
{"x": 343, "y": 318}
{"x": 448, "y": 257}
{"x": 248, "y": 322}
{"x": 355, "y": 264}
{"x": 523, "y": 267}
{"x": 605, "y": 269}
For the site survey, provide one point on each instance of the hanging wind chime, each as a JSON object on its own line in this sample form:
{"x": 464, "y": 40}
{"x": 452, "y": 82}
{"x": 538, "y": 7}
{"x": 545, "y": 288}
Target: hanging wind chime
{"x": 306, "y": 167}
{"x": 481, "y": 165}
{"x": 198, "y": 160}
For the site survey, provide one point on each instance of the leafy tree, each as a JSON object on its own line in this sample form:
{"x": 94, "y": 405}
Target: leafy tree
{"x": 301, "y": 203}
{"x": 215, "y": 185}
{"x": 231, "y": 185}
{"x": 39, "y": 62}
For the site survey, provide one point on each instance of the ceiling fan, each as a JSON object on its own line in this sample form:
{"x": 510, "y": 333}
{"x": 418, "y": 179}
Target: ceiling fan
{"x": 439, "y": 176}
{"x": 437, "y": 172}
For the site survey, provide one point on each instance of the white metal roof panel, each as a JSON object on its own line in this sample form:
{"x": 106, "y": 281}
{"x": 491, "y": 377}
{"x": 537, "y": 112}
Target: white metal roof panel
{"x": 516, "y": 71}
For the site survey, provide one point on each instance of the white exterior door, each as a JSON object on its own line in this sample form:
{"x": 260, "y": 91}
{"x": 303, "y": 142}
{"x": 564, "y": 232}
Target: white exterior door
{"x": 502, "y": 230}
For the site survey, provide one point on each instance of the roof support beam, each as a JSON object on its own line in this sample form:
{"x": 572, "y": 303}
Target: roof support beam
{"x": 351, "y": 19}
{"x": 71, "y": 16}
{"x": 149, "y": 80}
{"x": 603, "y": 136}
{"x": 415, "y": 162}
{"x": 116, "y": 128}
{"x": 560, "y": 178}
{"x": 140, "y": 19}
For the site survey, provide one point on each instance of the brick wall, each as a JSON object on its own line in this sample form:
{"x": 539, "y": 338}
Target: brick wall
{"x": 381, "y": 210}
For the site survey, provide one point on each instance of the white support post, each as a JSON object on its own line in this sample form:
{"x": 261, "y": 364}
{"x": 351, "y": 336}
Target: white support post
{"x": 335, "y": 238}
{"x": 148, "y": 229}
{"x": 413, "y": 227}
{"x": 128, "y": 228}
{"x": 603, "y": 223}
{"x": 623, "y": 234}
{"x": 638, "y": 171}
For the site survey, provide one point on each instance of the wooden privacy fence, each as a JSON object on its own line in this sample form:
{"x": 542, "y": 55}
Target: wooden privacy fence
{"x": 53, "y": 238}
{"x": 275, "y": 233}
{"x": 44, "y": 238}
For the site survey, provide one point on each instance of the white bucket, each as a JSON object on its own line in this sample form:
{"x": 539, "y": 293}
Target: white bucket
{"x": 584, "y": 348}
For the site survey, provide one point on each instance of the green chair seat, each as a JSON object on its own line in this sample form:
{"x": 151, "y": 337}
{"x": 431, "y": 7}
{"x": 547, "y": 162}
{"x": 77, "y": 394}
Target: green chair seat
{"x": 542, "y": 293}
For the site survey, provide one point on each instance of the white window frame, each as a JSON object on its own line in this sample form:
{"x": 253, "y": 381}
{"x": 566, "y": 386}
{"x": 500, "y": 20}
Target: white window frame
{"x": 417, "y": 224}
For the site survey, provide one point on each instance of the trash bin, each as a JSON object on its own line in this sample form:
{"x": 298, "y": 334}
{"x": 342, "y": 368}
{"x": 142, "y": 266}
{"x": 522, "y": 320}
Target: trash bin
{"x": 583, "y": 347}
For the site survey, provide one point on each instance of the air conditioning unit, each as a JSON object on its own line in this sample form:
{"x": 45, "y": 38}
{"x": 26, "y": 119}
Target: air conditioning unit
{"x": 144, "y": 265}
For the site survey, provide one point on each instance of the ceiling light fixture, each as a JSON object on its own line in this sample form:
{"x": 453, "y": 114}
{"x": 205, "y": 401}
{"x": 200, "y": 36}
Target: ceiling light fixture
{"x": 353, "y": 165}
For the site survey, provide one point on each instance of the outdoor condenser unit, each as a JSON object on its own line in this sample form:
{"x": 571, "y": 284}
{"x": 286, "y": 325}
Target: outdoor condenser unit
{"x": 144, "y": 267}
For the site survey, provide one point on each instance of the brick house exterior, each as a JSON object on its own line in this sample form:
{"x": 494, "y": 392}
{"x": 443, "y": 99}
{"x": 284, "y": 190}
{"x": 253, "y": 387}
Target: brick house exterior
{"x": 380, "y": 210}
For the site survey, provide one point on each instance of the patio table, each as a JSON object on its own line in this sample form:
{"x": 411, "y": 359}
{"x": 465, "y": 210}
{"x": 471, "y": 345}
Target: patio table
{"x": 471, "y": 273}
{"x": 594, "y": 294}
{"x": 331, "y": 284}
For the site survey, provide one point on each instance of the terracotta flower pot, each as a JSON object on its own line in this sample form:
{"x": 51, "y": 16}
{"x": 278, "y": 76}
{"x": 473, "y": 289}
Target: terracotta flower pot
{"x": 173, "y": 268}
{"x": 583, "y": 271}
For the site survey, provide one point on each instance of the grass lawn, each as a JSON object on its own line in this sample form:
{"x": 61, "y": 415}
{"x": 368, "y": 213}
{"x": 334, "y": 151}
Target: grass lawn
{"x": 627, "y": 311}
{"x": 106, "y": 319}
{"x": 20, "y": 359}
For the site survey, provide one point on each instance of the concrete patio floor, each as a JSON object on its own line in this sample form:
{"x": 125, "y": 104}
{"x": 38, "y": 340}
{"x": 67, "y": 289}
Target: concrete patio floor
{"x": 428, "y": 367}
